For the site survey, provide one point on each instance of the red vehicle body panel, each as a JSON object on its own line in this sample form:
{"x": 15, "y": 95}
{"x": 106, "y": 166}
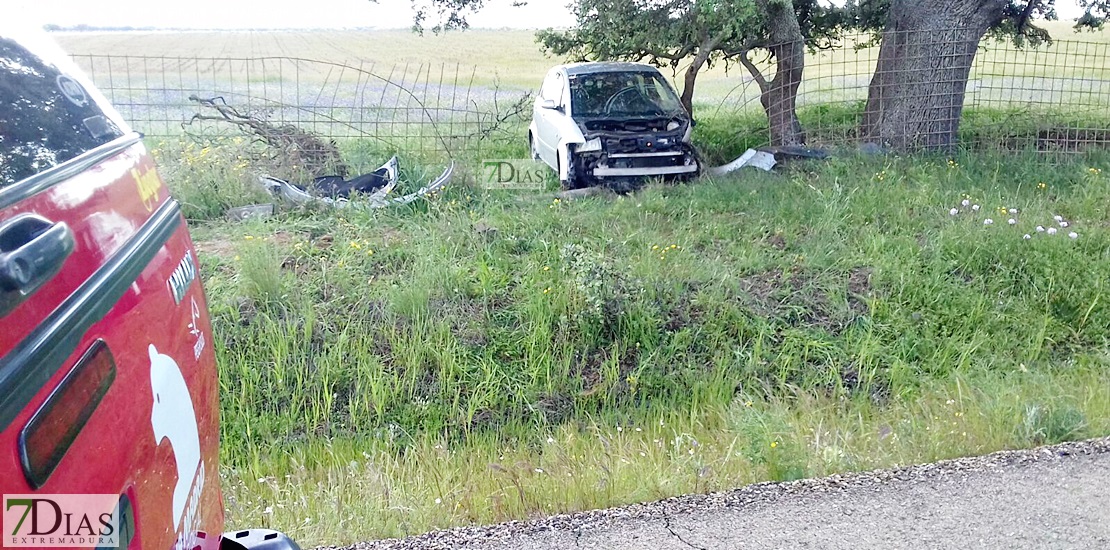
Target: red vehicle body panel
{"x": 154, "y": 434}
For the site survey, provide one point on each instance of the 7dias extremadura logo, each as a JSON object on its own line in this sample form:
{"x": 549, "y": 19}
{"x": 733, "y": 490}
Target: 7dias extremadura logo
{"x": 61, "y": 521}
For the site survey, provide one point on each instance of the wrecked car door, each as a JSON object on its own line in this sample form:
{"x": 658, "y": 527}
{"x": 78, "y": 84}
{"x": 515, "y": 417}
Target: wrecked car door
{"x": 549, "y": 108}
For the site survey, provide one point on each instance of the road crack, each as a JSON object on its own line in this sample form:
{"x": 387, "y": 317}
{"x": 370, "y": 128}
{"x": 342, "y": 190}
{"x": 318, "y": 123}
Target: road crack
{"x": 667, "y": 524}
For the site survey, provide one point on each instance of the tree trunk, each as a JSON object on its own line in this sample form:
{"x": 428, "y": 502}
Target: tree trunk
{"x": 705, "y": 49}
{"x": 688, "y": 83}
{"x": 779, "y": 96}
{"x": 916, "y": 95}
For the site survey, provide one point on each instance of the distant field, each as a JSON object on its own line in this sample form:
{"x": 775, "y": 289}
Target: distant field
{"x": 510, "y": 58}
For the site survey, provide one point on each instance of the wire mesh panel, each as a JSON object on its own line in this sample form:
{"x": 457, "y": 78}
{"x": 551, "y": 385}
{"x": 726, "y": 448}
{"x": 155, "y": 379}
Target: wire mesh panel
{"x": 412, "y": 107}
{"x": 1052, "y": 97}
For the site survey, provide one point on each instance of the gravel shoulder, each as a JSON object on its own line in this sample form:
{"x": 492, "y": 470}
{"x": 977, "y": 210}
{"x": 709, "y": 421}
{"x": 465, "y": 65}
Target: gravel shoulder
{"x": 1051, "y": 497}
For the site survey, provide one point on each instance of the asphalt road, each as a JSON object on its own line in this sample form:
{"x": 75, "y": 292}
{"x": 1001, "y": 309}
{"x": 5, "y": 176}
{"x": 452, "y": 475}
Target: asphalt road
{"x": 1053, "y": 497}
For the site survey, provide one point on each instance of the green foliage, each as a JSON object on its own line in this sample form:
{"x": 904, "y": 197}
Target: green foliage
{"x": 208, "y": 180}
{"x": 487, "y": 356}
{"x": 671, "y": 33}
{"x": 1016, "y": 20}
{"x": 1051, "y": 423}
{"x": 661, "y": 33}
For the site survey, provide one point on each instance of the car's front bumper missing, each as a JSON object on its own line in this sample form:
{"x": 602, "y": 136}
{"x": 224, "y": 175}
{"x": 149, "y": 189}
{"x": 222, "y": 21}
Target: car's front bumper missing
{"x": 676, "y": 161}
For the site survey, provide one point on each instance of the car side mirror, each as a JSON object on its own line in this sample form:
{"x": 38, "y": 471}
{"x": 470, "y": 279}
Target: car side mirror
{"x": 550, "y": 104}
{"x": 693, "y": 123}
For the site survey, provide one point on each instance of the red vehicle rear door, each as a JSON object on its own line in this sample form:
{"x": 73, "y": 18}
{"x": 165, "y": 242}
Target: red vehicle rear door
{"x": 107, "y": 375}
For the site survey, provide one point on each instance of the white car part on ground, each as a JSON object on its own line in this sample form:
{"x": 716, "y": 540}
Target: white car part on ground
{"x": 759, "y": 159}
{"x": 378, "y": 199}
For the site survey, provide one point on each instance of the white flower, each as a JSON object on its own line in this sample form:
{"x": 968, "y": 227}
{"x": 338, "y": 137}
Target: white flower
{"x": 439, "y": 501}
{"x": 1027, "y": 236}
{"x": 1058, "y": 218}
{"x": 550, "y": 440}
{"x": 1051, "y": 230}
{"x": 1013, "y": 210}
{"x": 988, "y": 221}
{"x": 1073, "y": 235}
{"x": 1011, "y": 221}
{"x": 975, "y": 207}
{"x": 269, "y": 510}
{"x": 1040, "y": 229}
{"x": 539, "y": 470}
{"x": 954, "y": 211}
{"x": 620, "y": 429}
{"x": 1063, "y": 224}
{"x": 966, "y": 202}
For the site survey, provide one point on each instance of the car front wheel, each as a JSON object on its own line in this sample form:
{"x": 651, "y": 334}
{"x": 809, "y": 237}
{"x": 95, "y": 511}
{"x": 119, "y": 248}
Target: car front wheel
{"x": 574, "y": 179}
{"x": 532, "y": 147}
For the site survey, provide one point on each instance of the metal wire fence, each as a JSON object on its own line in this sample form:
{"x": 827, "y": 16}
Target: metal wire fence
{"x": 415, "y": 108}
{"x": 1053, "y": 97}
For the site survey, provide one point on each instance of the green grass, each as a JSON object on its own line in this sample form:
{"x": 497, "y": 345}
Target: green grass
{"x": 388, "y": 372}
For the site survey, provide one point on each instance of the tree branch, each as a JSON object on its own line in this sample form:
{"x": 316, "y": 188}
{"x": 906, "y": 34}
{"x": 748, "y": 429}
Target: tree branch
{"x": 758, "y": 76}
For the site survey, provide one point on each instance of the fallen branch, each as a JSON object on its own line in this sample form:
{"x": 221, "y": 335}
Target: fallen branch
{"x": 294, "y": 146}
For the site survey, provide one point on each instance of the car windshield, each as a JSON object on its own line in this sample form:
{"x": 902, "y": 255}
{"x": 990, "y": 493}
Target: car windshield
{"x": 624, "y": 94}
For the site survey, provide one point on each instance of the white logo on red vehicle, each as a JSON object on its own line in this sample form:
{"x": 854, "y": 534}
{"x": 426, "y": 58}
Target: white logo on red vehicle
{"x": 173, "y": 418}
{"x": 194, "y": 330}
{"x": 182, "y": 277}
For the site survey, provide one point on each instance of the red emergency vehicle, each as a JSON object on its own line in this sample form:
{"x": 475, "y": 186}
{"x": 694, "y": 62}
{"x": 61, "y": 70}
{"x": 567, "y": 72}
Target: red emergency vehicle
{"x": 108, "y": 380}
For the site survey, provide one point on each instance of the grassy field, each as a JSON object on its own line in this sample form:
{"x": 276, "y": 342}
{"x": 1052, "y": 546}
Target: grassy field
{"x": 485, "y": 356}
{"x": 488, "y": 355}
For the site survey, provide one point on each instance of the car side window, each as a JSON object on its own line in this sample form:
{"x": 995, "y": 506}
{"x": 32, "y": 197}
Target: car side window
{"x": 553, "y": 88}
{"x": 46, "y": 116}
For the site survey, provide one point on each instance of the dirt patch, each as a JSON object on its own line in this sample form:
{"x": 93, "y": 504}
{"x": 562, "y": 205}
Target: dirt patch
{"x": 777, "y": 241}
{"x": 557, "y": 407}
{"x": 589, "y": 367}
{"x": 220, "y": 247}
{"x": 681, "y": 312}
{"x": 800, "y": 297}
{"x": 467, "y": 318}
{"x": 228, "y": 247}
{"x": 859, "y": 289}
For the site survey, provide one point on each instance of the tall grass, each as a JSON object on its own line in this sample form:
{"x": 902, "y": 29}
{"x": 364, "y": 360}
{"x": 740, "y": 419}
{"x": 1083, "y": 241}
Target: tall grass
{"x": 482, "y": 356}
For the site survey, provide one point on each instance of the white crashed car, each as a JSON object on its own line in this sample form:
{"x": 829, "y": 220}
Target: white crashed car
{"x": 611, "y": 124}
